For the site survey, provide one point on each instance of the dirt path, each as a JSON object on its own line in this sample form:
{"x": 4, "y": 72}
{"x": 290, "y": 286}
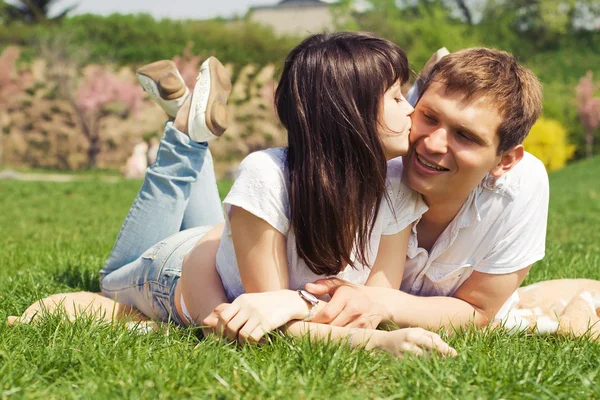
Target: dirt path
{"x": 29, "y": 176}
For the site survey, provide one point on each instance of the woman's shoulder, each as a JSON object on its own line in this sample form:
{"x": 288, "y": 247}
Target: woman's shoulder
{"x": 261, "y": 187}
{"x": 264, "y": 167}
{"x": 274, "y": 158}
{"x": 395, "y": 184}
{"x": 399, "y": 192}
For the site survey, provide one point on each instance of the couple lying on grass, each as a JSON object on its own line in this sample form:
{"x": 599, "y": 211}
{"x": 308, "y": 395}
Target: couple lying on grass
{"x": 424, "y": 217}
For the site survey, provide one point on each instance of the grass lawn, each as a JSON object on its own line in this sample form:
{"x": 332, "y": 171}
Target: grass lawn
{"x": 54, "y": 238}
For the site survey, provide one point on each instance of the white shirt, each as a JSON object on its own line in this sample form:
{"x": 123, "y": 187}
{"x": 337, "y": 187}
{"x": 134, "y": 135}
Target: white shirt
{"x": 262, "y": 188}
{"x": 501, "y": 228}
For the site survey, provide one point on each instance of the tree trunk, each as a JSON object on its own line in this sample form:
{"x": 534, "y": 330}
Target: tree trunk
{"x": 1, "y": 139}
{"x": 589, "y": 143}
{"x": 465, "y": 11}
{"x": 93, "y": 151}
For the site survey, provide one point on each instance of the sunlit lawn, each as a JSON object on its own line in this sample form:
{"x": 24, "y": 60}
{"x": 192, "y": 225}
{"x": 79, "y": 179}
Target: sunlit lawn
{"x": 54, "y": 238}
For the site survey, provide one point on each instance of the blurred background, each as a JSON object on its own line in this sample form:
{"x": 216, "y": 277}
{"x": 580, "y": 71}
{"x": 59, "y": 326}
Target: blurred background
{"x": 69, "y": 100}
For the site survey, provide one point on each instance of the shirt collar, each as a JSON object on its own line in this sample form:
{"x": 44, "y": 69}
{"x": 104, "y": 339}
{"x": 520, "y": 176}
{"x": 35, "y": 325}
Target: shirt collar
{"x": 504, "y": 186}
{"x": 469, "y": 212}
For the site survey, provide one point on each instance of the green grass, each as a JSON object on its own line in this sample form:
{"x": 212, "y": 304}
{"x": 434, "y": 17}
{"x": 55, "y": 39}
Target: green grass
{"x": 54, "y": 237}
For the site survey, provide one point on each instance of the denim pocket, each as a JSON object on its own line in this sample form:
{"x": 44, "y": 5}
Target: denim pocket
{"x": 153, "y": 251}
{"x": 161, "y": 304}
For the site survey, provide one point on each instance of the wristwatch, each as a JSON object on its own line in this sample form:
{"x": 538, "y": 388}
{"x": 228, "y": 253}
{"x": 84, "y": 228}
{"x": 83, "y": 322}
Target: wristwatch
{"x": 311, "y": 300}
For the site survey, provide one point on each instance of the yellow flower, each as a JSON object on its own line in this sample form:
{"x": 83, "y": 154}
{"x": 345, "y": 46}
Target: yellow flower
{"x": 547, "y": 140}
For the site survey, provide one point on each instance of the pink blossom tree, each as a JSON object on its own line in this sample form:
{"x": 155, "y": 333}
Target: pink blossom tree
{"x": 588, "y": 108}
{"x": 100, "y": 93}
{"x": 8, "y": 75}
{"x": 93, "y": 91}
{"x": 12, "y": 84}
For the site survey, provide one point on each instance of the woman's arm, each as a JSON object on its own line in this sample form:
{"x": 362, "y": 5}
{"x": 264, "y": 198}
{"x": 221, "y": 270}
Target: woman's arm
{"x": 260, "y": 252}
{"x": 386, "y": 273}
{"x": 262, "y": 262}
{"x": 416, "y": 341}
{"x": 203, "y": 291}
{"x": 398, "y": 343}
{"x": 389, "y": 264}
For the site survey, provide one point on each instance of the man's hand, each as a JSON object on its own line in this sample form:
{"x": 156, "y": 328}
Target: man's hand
{"x": 350, "y": 305}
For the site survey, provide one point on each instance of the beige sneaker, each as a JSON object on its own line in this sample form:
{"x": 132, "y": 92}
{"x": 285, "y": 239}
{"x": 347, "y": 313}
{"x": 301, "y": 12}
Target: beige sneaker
{"x": 208, "y": 110}
{"x": 164, "y": 84}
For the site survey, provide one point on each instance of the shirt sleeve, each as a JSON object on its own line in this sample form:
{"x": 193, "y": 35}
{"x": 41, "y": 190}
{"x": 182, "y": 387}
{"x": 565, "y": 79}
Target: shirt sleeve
{"x": 522, "y": 239}
{"x": 405, "y": 206}
{"x": 261, "y": 188}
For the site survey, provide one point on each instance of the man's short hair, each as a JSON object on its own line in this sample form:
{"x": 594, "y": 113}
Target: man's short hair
{"x": 497, "y": 76}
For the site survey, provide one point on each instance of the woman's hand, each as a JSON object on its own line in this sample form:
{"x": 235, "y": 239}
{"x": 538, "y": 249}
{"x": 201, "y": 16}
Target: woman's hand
{"x": 417, "y": 341}
{"x": 252, "y": 315}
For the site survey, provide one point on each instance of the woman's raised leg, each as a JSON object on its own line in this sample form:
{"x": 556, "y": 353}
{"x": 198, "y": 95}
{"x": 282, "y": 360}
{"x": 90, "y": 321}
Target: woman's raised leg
{"x": 183, "y": 168}
{"x": 204, "y": 204}
{"x": 159, "y": 208}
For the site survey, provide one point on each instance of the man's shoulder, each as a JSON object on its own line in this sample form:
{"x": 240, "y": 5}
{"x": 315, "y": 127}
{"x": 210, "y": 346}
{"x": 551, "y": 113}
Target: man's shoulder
{"x": 530, "y": 167}
{"x": 527, "y": 177}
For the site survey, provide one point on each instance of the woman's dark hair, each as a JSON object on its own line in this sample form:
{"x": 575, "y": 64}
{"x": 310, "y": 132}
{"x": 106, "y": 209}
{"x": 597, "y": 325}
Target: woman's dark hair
{"x": 329, "y": 99}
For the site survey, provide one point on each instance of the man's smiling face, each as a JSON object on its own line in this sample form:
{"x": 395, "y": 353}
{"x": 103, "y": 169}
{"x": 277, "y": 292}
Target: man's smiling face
{"x": 453, "y": 144}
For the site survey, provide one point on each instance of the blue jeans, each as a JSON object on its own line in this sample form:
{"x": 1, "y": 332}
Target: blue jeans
{"x": 177, "y": 204}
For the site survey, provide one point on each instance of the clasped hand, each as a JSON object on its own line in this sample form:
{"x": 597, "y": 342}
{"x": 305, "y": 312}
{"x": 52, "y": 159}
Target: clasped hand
{"x": 252, "y": 315}
{"x": 350, "y": 305}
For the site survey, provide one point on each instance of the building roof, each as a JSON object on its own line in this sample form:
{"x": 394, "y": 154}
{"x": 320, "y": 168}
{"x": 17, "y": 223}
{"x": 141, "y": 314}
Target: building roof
{"x": 295, "y": 3}
{"x": 282, "y": 2}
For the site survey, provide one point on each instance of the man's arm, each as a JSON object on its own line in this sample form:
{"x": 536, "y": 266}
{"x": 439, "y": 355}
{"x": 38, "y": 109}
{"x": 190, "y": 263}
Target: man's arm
{"x": 476, "y": 301}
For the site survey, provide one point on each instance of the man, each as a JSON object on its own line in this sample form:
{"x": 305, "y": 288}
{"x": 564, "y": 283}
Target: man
{"x": 487, "y": 198}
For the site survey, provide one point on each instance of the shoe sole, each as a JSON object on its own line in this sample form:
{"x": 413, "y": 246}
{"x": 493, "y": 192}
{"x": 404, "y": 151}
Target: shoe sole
{"x": 164, "y": 74}
{"x": 216, "y": 107}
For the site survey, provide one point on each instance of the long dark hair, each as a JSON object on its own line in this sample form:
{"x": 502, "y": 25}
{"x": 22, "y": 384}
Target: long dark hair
{"x": 329, "y": 99}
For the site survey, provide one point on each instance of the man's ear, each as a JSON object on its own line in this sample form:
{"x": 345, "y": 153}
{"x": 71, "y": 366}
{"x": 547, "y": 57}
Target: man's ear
{"x": 508, "y": 160}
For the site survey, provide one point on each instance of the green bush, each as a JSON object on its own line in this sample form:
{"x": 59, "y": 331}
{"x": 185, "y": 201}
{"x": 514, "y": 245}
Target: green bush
{"x": 139, "y": 39}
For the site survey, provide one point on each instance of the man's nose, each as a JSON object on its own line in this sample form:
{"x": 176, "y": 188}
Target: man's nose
{"x": 437, "y": 141}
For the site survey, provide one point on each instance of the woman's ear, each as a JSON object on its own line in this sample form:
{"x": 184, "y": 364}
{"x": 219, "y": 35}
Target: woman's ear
{"x": 508, "y": 160}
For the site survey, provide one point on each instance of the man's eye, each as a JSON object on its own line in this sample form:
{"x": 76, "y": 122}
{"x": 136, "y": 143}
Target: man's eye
{"x": 464, "y": 136}
{"x": 429, "y": 119}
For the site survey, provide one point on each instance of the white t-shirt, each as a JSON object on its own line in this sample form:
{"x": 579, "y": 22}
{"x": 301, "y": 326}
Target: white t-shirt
{"x": 500, "y": 229}
{"x": 262, "y": 188}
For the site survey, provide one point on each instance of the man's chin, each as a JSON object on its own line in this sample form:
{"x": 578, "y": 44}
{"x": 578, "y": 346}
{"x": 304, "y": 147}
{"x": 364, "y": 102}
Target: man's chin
{"x": 415, "y": 181}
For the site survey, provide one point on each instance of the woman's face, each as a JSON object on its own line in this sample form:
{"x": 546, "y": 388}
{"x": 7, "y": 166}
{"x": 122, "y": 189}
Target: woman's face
{"x": 394, "y": 122}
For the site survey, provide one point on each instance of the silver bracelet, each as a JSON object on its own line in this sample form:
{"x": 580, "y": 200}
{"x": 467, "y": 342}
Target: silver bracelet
{"x": 312, "y": 302}
{"x": 310, "y": 314}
